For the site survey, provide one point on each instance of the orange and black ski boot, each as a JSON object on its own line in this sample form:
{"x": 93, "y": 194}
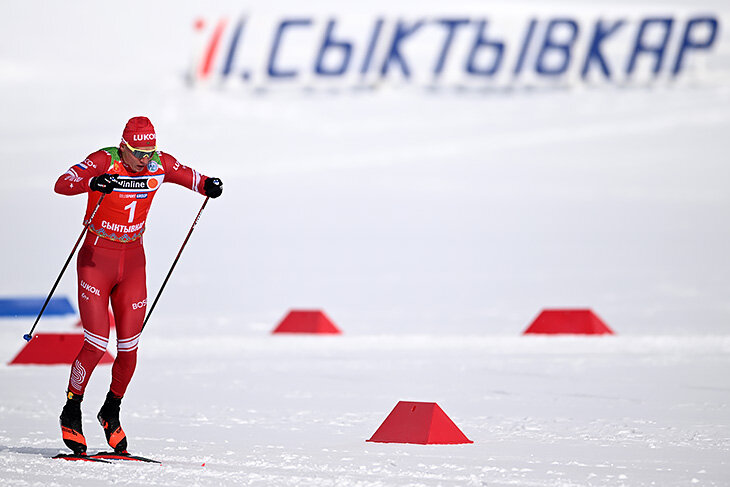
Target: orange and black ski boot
{"x": 71, "y": 431}
{"x": 109, "y": 420}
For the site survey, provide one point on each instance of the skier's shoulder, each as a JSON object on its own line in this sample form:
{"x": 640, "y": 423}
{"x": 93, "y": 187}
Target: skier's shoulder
{"x": 168, "y": 161}
{"x": 107, "y": 152}
{"x": 101, "y": 158}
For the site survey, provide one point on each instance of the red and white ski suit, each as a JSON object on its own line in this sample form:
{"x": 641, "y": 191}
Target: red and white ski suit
{"x": 111, "y": 261}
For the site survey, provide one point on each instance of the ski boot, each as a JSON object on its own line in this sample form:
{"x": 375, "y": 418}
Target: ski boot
{"x": 70, "y": 419}
{"x": 109, "y": 420}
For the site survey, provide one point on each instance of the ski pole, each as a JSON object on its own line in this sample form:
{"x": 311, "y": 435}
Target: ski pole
{"x": 164, "y": 283}
{"x": 28, "y": 336}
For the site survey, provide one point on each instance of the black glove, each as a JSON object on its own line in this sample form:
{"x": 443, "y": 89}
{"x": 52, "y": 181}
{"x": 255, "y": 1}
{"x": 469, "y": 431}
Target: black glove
{"x": 213, "y": 187}
{"x": 106, "y": 183}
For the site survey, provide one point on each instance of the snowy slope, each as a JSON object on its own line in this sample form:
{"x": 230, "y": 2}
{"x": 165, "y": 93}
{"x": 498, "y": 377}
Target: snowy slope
{"x": 431, "y": 224}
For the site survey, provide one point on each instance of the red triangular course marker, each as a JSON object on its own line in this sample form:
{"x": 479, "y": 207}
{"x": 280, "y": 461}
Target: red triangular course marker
{"x": 568, "y": 321}
{"x": 307, "y": 321}
{"x": 424, "y": 423}
{"x": 53, "y": 349}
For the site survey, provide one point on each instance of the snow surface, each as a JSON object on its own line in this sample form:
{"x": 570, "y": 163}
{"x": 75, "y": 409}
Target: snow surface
{"x": 238, "y": 408}
{"x": 431, "y": 225}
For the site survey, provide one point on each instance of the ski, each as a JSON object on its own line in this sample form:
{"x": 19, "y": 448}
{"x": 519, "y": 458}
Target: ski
{"x": 107, "y": 456}
{"x": 104, "y": 457}
{"x": 72, "y": 457}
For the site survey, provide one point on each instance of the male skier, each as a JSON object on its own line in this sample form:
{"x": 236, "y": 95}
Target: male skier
{"x": 111, "y": 263}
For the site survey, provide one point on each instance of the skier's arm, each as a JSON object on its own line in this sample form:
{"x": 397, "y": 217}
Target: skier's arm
{"x": 177, "y": 173}
{"x": 78, "y": 178}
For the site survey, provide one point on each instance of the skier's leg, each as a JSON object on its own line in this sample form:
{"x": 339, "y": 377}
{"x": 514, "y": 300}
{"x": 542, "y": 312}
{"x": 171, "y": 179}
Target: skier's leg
{"x": 96, "y": 270}
{"x": 94, "y": 281}
{"x": 129, "y": 304}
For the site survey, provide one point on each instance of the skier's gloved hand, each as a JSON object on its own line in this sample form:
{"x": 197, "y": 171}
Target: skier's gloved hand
{"x": 106, "y": 183}
{"x": 213, "y": 187}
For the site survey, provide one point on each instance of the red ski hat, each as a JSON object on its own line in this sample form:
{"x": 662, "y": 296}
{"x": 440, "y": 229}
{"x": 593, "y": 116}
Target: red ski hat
{"x": 139, "y": 132}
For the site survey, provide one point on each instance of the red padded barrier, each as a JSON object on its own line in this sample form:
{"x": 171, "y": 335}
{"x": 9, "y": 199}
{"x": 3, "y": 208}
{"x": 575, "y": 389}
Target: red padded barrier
{"x": 53, "y": 349}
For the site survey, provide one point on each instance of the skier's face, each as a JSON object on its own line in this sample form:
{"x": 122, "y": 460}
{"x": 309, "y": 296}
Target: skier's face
{"x": 136, "y": 158}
